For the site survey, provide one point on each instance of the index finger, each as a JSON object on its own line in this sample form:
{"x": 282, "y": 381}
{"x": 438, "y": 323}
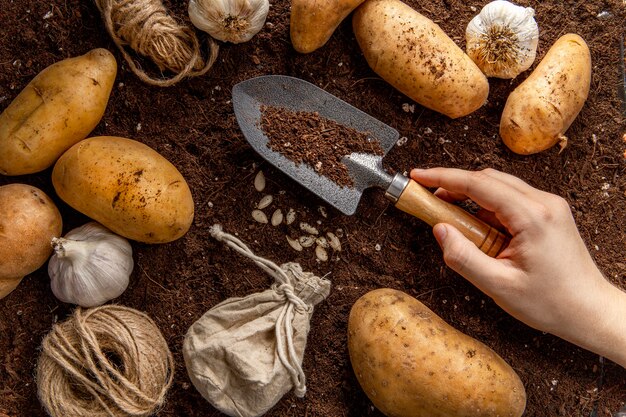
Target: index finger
{"x": 490, "y": 189}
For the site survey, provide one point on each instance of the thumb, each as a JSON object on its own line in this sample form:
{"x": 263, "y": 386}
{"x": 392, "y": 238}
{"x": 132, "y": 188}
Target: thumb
{"x": 460, "y": 254}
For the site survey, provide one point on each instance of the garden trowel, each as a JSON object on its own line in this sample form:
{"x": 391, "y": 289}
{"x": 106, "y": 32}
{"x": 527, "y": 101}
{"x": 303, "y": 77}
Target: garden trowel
{"x": 366, "y": 170}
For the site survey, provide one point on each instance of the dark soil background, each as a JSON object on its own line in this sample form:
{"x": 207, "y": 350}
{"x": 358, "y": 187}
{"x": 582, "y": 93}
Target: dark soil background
{"x": 192, "y": 124}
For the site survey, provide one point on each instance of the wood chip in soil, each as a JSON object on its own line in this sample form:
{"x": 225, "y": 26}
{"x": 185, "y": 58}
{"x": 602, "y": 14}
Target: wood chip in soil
{"x": 307, "y": 137}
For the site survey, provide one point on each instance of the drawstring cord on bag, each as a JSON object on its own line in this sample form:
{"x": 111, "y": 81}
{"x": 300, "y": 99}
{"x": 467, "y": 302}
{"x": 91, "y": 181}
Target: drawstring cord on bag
{"x": 283, "y": 329}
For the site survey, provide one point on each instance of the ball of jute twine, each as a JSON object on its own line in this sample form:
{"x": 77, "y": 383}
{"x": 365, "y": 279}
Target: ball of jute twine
{"x": 148, "y": 29}
{"x": 105, "y": 361}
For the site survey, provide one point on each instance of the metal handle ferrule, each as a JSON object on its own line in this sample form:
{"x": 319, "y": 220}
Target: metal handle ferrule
{"x": 396, "y": 188}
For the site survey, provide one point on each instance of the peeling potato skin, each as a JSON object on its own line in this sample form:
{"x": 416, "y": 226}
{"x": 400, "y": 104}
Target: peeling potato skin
{"x": 541, "y": 109}
{"x": 28, "y": 222}
{"x": 411, "y": 363}
{"x": 58, "y": 108}
{"x": 126, "y": 186}
{"x": 415, "y": 56}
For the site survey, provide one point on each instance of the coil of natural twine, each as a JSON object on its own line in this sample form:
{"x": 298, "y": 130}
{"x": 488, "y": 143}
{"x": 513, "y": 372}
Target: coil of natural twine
{"x": 148, "y": 29}
{"x": 106, "y": 361}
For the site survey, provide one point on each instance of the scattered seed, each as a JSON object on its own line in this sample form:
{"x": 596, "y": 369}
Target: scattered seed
{"x": 305, "y": 227}
{"x": 277, "y": 217}
{"x": 259, "y": 216}
{"x": 333, "y": 241}
{"x": 321, "y": 241}
{"x": 378, "y": 247}
{"x": 306, "y": 241}
{"x": 259, "y": 181}
{"x": 321, "y": 253}
{"x": 265, "y": 202}
{"x": 291, "y": 216}
{"x": 294, "y": 243}
{"x": 322, "y": 211}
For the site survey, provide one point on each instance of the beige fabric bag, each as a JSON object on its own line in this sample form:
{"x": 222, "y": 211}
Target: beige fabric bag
{"x": 244, "y": 354}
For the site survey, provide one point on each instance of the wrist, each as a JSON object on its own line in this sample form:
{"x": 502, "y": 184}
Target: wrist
{"x": 601, "y": 325}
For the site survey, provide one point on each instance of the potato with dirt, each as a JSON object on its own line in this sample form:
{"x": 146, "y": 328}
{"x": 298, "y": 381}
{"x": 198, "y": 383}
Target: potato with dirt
{"x": 411, "y": 363}
{"x": 58, "y": 108}
{"x": 312, "y": 23}
{"x": 541, "y": 109}
{"x": 126, "y": 186}
{"x": 29, "y": 221}
{"x": 414, "y": 55}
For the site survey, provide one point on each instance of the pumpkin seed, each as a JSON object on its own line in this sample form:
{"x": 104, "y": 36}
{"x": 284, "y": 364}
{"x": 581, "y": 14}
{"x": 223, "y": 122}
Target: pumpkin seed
{"x": 322, "y": 211}
{"x": 265, "y": 202}
{"x": 321, "y": 253}
{"x": 259, "y": 181}
{"x": 305, "y": 227}
{"x": 291, "y": 216}
{"x": 277, "y": 217}
{"x": 306, "y": 241}
{"x": 321, "y": 241}
{"x": 294, "y": 244}
{"x": 259, "y": 216}
{"x": 333, "y": 241}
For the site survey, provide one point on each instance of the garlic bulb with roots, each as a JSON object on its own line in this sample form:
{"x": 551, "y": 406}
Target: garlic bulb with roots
{"x": 502, "y": 39}
{"x": 233, "y": 21}
{"x": 90, "y": 265}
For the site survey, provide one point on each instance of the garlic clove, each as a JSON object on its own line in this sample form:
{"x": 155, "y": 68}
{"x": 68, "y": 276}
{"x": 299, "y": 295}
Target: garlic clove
{"x": 233, "y": 21}
{"x": 90, "y": 266}
{"x": 502, "y": 39}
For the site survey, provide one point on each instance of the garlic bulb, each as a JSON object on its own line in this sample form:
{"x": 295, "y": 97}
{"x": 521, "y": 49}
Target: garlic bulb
{"x": 91, "y": 265}
{"x": 234, "y": 21}
{"x": 502, "y": 39}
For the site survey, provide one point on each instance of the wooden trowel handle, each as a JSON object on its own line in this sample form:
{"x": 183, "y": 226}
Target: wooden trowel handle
{"x": 421, "y": 203}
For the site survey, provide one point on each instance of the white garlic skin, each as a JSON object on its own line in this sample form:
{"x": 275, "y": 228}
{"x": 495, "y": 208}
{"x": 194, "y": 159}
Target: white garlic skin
{"x": 90, "y": 266}
{"x": 233, "y": 21}
{"x": 502, "y": 39}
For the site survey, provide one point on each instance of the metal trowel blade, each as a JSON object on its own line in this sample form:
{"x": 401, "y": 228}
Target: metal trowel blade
{"x": 298, "y": 95}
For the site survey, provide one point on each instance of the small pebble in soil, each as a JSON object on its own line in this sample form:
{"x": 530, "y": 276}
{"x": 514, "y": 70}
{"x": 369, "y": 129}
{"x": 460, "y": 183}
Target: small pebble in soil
{"x": 378, "y": 247}
{"x": 408, "y": 108}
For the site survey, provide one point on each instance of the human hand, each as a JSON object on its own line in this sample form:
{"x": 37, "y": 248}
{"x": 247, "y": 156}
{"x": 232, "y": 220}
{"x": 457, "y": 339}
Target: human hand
{"x": 545, "y": 277}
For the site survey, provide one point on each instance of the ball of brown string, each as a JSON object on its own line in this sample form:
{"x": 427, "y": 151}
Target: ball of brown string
{"x": 147, "y": 28}
{"x": 104, "y": 361}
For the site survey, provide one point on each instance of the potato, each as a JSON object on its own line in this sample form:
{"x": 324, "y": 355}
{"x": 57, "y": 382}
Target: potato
{"x": 58, "y": 108}
{"x": 540, "y": 110}
{"x": 313, "y": 22}
{"x": 127, "y": 187}
{"x": 28, "y": 223}
{"x": 410, "y": 362}
{"x": 415, "y": 56}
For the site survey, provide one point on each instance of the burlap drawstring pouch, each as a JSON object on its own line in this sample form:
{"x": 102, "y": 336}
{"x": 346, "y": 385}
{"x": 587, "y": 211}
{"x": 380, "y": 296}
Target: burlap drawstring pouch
{"x": 245, "y": 353}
